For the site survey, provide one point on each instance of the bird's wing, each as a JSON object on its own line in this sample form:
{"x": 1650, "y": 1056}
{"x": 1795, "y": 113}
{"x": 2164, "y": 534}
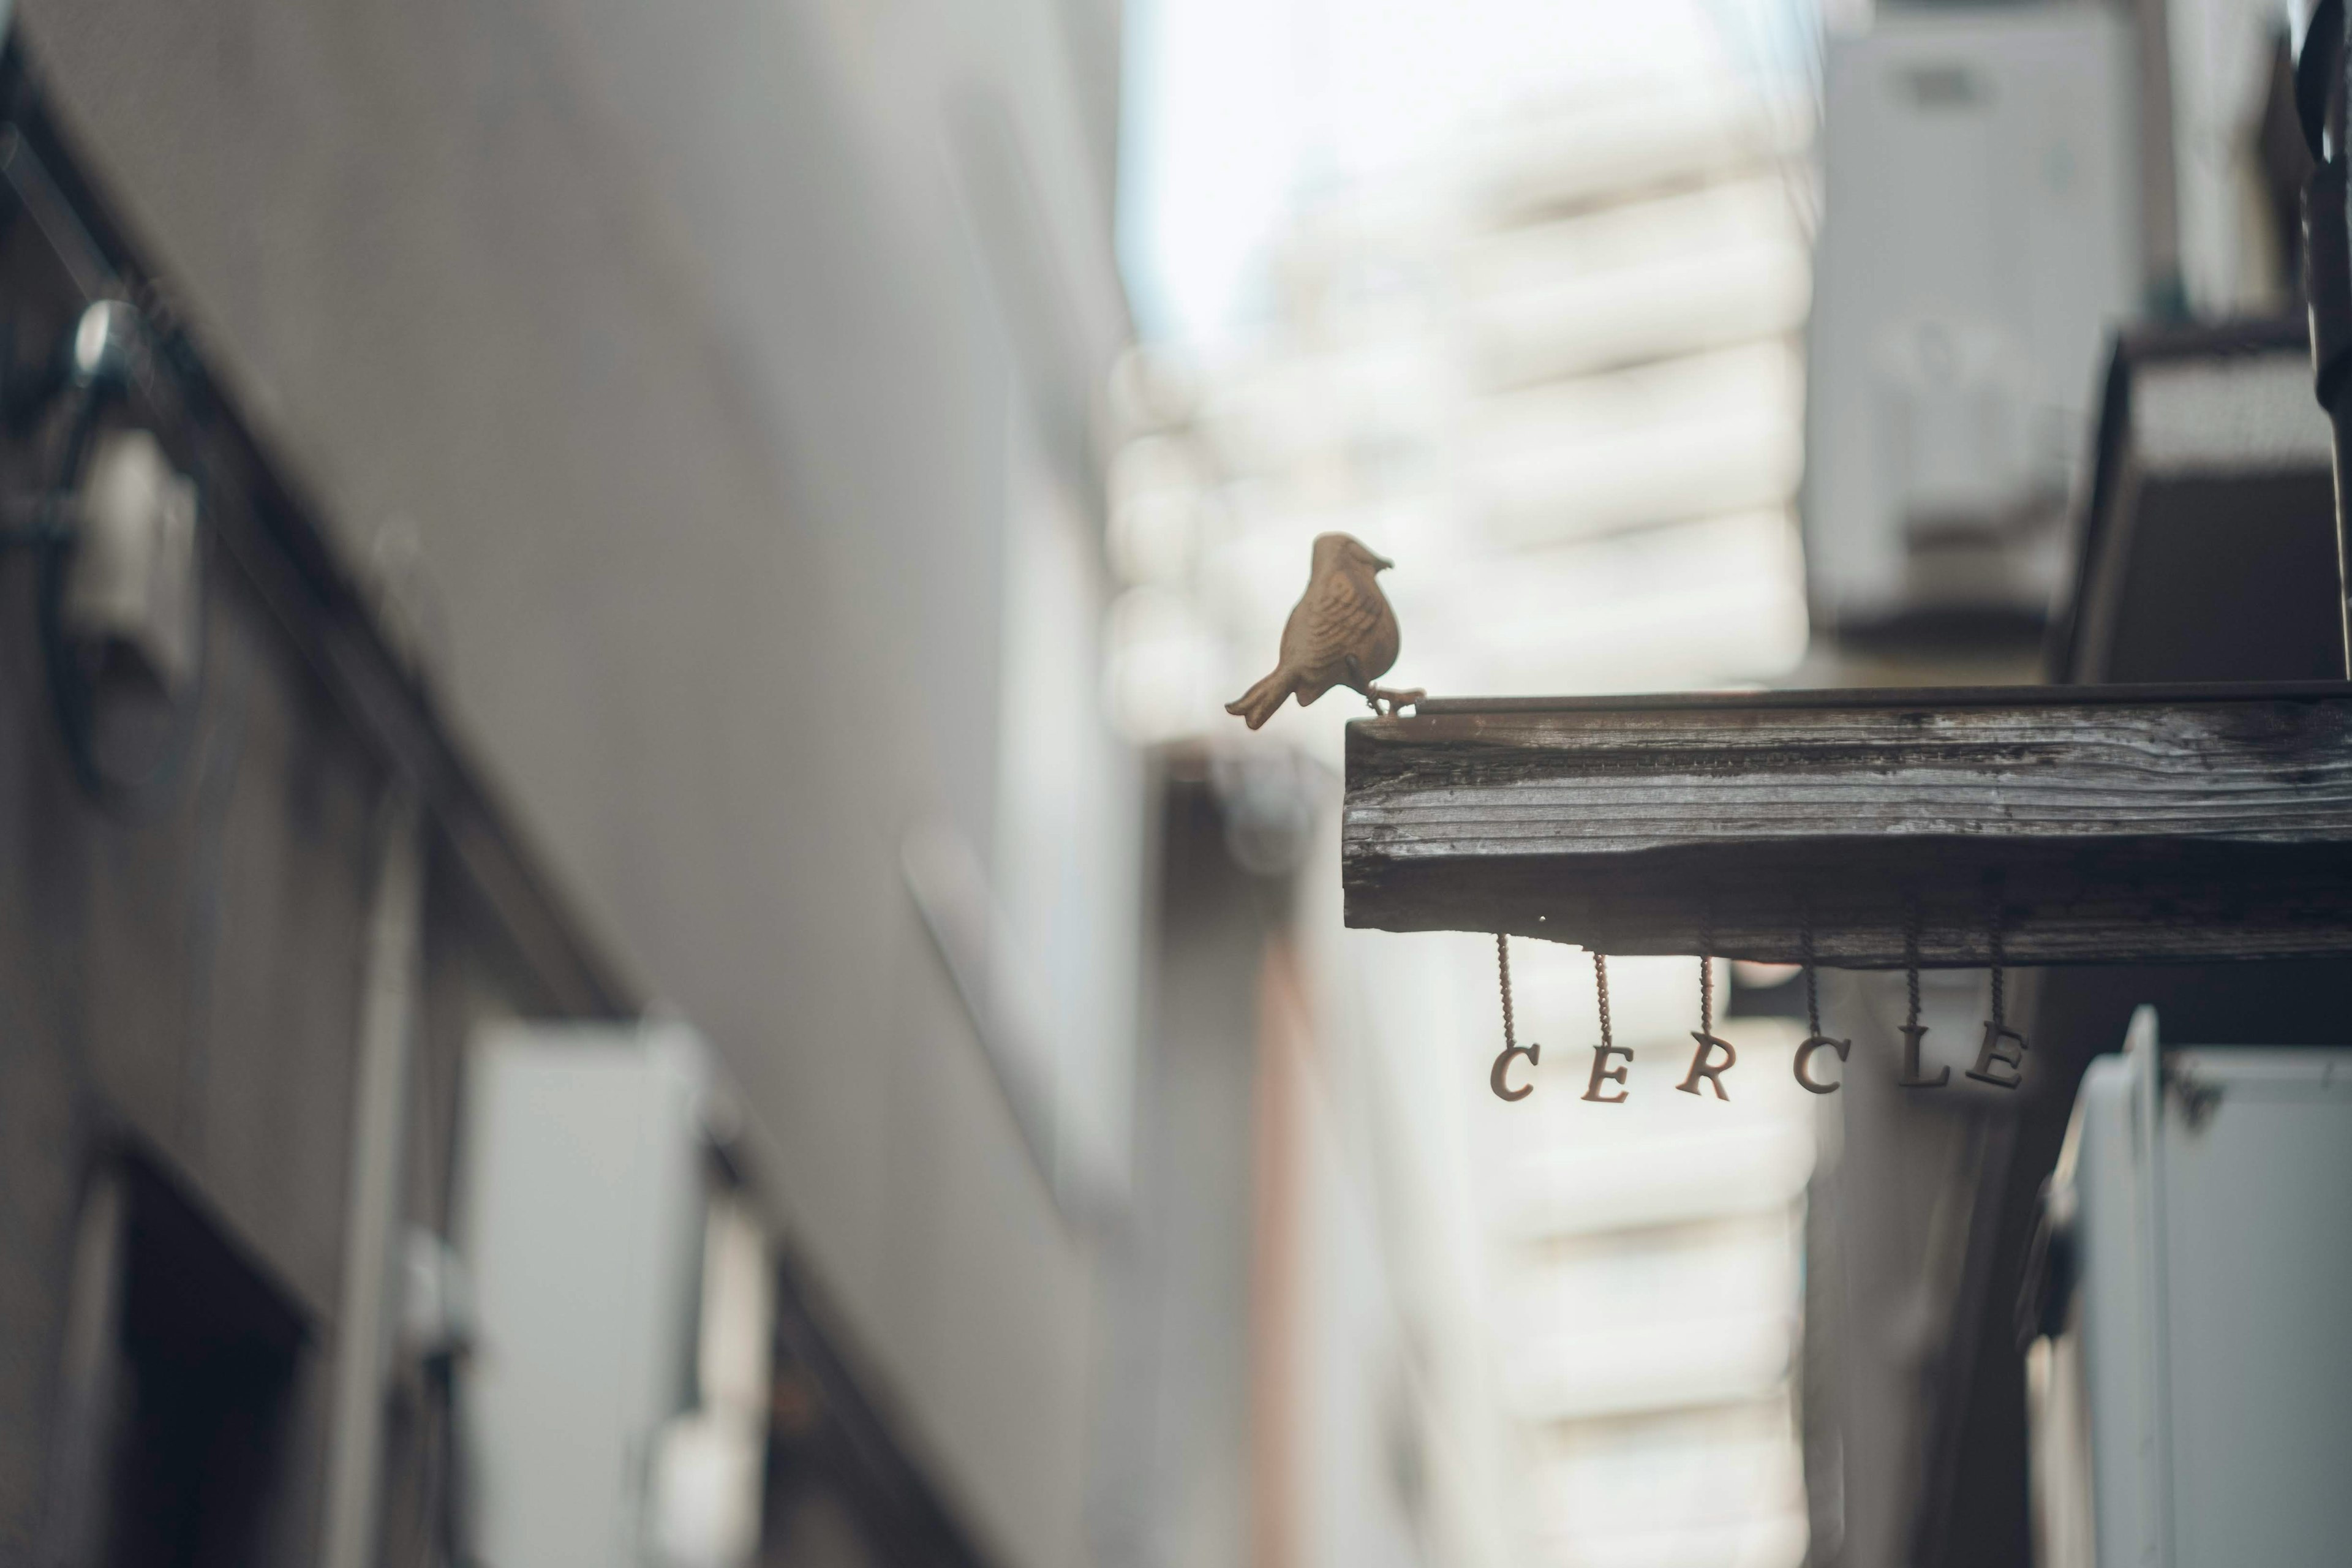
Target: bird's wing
{"x": 1336, "y": 618}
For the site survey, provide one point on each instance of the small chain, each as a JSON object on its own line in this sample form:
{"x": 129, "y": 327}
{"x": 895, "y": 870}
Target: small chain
{"x": 1706, "y": 988}
{"x": 1503, "y": 962}
{"x": 1911, "y": 961}
{"x": 1601, "y": 983}
{"x": 1997, "y": 1019}
{"x": 1812, "y": 984}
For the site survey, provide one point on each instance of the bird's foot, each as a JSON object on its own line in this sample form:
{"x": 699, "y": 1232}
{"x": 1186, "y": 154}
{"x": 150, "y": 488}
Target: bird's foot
{"x": 1396, "y": 698}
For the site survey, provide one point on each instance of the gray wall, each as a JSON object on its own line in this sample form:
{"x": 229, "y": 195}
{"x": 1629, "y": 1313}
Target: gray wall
{"x": 689, "y": 338}
{"x": 185, "y": 983}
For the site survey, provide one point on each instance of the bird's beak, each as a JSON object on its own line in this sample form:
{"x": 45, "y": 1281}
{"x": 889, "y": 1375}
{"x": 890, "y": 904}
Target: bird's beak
{"x": 1381, "y": 563}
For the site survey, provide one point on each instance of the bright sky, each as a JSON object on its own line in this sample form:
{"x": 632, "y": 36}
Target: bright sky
{"x": 1238, "y": 110}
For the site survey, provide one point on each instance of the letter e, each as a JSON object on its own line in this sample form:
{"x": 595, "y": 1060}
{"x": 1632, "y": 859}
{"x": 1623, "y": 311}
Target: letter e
{"x": 1603, "y": 1073}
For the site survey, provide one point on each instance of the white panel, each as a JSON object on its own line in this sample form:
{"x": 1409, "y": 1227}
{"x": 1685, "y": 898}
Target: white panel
{"x": 584, "y": 1228}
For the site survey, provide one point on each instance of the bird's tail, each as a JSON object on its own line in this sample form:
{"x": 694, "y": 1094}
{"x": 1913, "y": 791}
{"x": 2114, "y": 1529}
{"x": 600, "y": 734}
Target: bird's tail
{"x": 1258, "y": 704}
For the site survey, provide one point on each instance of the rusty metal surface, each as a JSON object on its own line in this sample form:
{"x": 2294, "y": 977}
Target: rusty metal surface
{"x": 2118, "y": 825}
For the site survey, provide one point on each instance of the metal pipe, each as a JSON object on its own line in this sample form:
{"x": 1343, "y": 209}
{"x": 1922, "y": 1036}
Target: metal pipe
{"x": 372, "y": 1225}
{"x": 89, "y": 1373}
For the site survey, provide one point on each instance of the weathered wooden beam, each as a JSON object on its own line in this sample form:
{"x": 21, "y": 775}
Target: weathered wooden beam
{"x": 2088, "y": 824}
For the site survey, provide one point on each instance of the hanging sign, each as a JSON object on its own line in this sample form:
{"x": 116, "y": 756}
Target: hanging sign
{"x": 2001, "y": 1059}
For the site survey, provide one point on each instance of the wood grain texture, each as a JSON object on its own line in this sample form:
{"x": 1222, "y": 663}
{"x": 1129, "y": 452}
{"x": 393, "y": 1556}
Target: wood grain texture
{"x": 2104, "y": 825}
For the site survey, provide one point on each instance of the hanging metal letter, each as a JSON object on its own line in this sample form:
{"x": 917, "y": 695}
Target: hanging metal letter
{"x": 1708, "y": 1042}
{"x": 1701, "y": 1067}
{"x": 1814, "y": 1039}
{"x": 1602, "y": 1071}
{"x": 1995, "y": 1052}
{"x": 1532, "y": 1051}
{"x": 1999, "y": 1036}
{"x": 1912, "y": 1030}
{"x": 1805, "y": 1051}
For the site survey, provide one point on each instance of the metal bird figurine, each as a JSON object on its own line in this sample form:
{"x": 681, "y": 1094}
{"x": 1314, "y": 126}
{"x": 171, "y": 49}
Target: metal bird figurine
{"x": 1341, "y": 633}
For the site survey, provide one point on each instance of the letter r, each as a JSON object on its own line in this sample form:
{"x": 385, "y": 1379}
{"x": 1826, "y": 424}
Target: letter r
{"x": 1701, "y": 1068}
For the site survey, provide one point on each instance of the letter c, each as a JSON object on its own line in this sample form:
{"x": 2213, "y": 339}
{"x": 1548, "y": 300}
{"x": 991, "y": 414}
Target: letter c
{"x": 1805, "y": 1051}
{"x": 1532, "y": 1051}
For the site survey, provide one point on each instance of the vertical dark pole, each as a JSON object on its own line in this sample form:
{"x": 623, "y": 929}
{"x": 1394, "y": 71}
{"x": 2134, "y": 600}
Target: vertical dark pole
{"x": 2320, "y": 97}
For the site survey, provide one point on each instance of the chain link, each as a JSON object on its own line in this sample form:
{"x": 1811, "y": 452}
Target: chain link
{"x": 1997, "y": 1019}
{"x": 1503, "y": 964}
{"x": 1601, "y": 984}
{"x": 1911, "y": 962}
{"x": 1812, "y": 984}
{"x": 1707, "y": 985}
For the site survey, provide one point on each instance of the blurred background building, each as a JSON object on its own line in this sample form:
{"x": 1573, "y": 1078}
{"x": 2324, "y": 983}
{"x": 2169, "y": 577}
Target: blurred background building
{"x": 633, "y": 931}
{"x": 1531, "y": 315}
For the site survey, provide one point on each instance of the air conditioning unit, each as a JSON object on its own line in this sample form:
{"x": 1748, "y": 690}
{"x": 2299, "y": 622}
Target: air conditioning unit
{"x": 1980, "y": 240}
{"x": 2190, "y": 1393}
